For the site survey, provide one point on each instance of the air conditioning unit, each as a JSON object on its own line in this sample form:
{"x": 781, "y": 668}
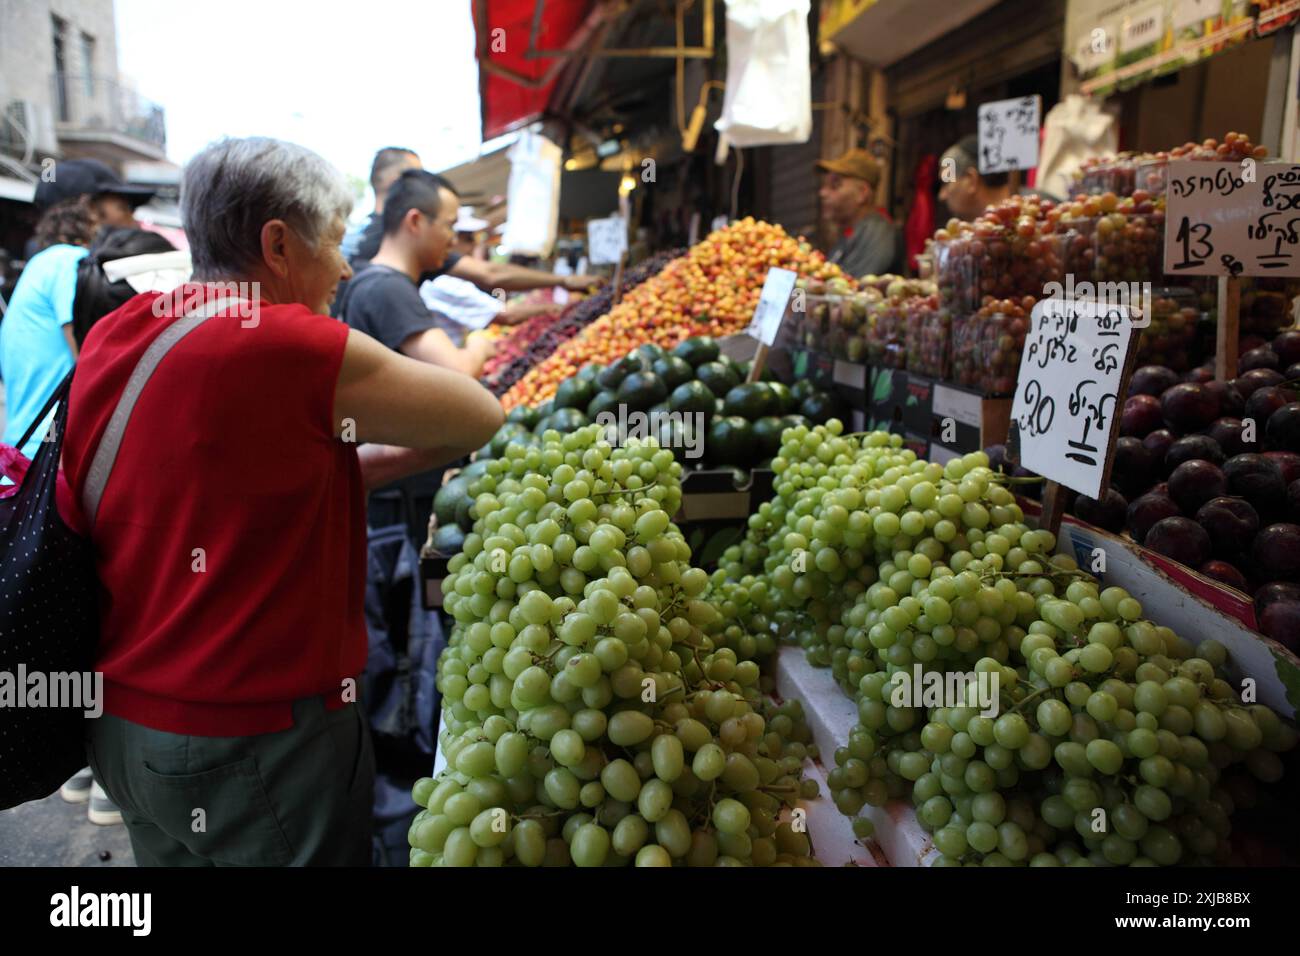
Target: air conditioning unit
{"x": 27, "y": 124}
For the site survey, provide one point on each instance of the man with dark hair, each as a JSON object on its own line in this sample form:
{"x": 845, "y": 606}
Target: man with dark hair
{"x": 966, "y": 191}
{"x": 488, "y": 276}
{"x": 868, "y": 243}
{"x": 389, "y": 163}
{"x": 383, "y": 299}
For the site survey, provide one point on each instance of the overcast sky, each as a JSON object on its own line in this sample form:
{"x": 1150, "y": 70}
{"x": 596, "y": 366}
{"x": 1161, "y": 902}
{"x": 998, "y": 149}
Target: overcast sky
{"x": 338, "y": 76}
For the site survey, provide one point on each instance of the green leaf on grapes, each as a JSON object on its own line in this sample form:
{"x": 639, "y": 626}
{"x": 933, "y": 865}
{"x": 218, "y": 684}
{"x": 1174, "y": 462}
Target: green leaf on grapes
{"x": 1289, "y": 675}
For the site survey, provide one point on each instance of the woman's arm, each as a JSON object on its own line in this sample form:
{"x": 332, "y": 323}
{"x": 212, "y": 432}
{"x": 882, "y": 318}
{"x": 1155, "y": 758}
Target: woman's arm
{"x": 390, "y": 399}
{"x": 383, "y": 464}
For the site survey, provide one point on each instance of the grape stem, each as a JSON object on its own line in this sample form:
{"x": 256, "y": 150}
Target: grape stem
{"x": 540, "y": 815}
{"x": 1038, "y": 693}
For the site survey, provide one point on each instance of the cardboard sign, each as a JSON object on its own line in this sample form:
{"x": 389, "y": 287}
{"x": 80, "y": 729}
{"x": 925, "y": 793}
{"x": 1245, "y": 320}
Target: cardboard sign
{"x": 606, "y": 239}
{"x": 1233, "y": 219}
{"x": 777, "y": 289}
{"x": 1065, "y": 414}
{"x": 1008, "y": 131}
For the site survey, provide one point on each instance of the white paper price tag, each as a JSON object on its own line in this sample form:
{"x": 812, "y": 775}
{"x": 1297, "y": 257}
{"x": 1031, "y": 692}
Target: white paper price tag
{"x": 1142, "y": 28}
{"x": 777, "y": 289}
{"x": 1233, "y": 219}
{"x": 1008, "y": 134}
{"x": 1066, "y": 408}
{"x": 965, "y": 407}
{"x": 606, "y": 239}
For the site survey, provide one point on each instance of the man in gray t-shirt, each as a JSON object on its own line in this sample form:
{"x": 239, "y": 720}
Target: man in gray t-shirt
{"x": 868, "y": 244}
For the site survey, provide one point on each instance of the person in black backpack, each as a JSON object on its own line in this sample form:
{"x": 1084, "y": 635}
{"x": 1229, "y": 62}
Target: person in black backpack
{"x": 97, "y": 293}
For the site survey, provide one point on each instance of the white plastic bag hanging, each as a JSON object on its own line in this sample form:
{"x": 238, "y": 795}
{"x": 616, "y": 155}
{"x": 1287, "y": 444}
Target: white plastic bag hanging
{"x": 769, "y": 89}
{"x": 1073, "y": 130}
{"x": 533, "y": 196}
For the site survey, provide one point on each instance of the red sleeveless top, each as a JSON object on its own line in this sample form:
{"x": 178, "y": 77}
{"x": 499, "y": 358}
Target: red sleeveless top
{"x": 230, "y": 539}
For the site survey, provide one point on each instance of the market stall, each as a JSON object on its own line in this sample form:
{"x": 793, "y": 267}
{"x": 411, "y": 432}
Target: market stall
{"x": 1000, "y": 560}
{"x": 1120, "y": 685}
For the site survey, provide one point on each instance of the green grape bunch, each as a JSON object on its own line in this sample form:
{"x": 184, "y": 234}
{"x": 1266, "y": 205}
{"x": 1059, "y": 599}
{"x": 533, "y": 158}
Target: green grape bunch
{"x": 599, "y": 709}
{"x": 1114, "y": 742}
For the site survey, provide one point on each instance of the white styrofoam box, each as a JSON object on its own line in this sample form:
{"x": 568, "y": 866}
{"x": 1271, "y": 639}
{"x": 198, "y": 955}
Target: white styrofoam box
{"x": 830, "y": 831}
{"x": 831, "y": 715}
{"x": 1167, "y": 602}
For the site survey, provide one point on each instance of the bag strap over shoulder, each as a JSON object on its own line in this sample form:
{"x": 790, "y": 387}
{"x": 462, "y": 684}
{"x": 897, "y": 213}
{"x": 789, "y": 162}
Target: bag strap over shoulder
{"x": 60, "y": 393}
{"x": 101, "y": 466}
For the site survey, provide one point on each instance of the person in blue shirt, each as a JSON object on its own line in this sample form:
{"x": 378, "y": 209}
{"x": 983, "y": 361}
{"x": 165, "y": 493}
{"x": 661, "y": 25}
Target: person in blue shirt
{"x": 37, "y": 347}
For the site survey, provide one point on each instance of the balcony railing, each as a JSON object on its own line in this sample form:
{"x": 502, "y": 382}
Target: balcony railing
{"x": 102, "y": 104}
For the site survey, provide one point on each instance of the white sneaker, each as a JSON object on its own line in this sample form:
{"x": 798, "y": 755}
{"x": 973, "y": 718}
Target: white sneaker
{"x": 102, "y": 810}
{"x": 77, "y": 789}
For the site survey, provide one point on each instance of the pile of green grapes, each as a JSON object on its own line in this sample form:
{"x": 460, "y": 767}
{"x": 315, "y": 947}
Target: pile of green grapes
{"x": 1110, "y": 741}
{"x": 598, "y": 708}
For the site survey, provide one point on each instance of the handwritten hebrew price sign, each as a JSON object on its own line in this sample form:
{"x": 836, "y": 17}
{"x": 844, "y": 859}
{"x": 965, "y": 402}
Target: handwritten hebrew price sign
{"x": 1008, "y": 134}
{"x": 772, "y": 302}
{"x": 1066, "y": 407}
{"x": 606, "y": 239}
{"x": 1233, "y": 219}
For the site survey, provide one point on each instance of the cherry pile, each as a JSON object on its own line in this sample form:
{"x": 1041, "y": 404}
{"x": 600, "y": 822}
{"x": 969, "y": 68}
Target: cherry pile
{"x": 556, "y": 331}
{"x": 1010, "y": 251}
{"x": 986, "y": 346}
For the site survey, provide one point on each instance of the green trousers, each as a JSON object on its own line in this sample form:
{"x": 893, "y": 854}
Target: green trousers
{"x": 297, "y": 797}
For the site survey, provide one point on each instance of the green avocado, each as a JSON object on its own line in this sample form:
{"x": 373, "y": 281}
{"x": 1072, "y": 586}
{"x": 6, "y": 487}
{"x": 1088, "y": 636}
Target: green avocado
{"x": 731, "y": 442}
{"x": 507, "y": 433}
{"x": 751, "y": 400}
{"x": 718, "y": 377}
{"x": 674, "y": 371}
{"x": 697, "y": 350}
{"x": 640, "y": 390}
{"x": 448, "y": 540}
{"x": 574, "y": 392}
{"x": 447, "y": 502}
{"x": 691, "y": 397}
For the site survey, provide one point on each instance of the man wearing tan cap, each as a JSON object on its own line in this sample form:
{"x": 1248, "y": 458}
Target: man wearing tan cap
{"x": 868, "y": 243}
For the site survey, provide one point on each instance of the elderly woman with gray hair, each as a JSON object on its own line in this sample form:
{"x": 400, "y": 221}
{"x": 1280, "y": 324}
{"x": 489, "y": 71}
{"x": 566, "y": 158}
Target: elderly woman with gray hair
{"x": 219, "y": 445}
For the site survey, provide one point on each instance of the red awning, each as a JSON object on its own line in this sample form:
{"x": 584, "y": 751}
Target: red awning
{"x": 515, "y": 89}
